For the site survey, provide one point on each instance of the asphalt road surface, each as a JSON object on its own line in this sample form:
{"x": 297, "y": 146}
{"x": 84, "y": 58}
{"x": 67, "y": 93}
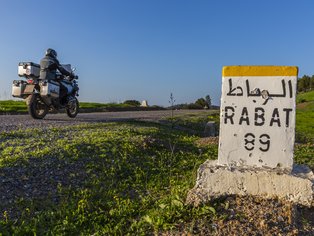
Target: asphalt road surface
{"x": 14, "y": 122}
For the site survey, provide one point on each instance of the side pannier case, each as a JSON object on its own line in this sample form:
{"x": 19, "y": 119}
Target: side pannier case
{"x": 29, "y": 70}
{"x": 49, "y": 89}
{"x": 18, "y": 88}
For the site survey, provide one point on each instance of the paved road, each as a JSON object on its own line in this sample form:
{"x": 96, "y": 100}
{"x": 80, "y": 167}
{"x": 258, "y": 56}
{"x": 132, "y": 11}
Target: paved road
{"x": 13, "y": 122}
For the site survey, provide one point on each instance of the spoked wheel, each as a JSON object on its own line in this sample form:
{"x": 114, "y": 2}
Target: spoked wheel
{"x": 36, "y": 107}
{"x": 72, "y": 107}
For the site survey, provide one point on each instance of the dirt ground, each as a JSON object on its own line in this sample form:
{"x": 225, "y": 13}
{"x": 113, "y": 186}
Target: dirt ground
{"x": 252, "y": 216}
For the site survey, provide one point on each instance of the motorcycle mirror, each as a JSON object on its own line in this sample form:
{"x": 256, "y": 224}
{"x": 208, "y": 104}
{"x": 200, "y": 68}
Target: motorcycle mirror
{"x": 73, "y": 69}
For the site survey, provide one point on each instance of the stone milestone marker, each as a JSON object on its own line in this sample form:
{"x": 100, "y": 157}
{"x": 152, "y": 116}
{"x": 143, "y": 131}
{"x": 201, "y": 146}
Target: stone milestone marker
{"x": 256, "y": 139}
{"x": 257, "y": 118}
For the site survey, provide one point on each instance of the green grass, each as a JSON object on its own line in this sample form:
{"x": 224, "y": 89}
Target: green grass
{"x": 136, "y": 177}
{"x": 305, "y": 117}
{"x": 122, "y": 178}
{"x": 194, "y": 123}
{"x": 305, "y": 97}
{"x": 12, "y": 106}
{"x": 99, "y": 106}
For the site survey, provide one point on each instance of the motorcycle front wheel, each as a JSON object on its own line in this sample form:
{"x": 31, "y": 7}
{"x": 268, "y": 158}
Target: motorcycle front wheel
{"x": 36, "y": 107}
{"x": 72, "y": 107}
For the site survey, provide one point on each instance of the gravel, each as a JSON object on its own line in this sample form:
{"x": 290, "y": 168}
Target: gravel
{"x": 38, "y": 179}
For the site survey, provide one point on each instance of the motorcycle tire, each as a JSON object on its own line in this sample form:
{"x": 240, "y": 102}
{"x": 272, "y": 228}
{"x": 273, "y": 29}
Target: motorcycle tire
{"x": 72, "y": 108}
{"x": 37, "y": 108}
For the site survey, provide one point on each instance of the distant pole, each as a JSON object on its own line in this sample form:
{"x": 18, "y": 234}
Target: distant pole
{"x": 172, "y": 101}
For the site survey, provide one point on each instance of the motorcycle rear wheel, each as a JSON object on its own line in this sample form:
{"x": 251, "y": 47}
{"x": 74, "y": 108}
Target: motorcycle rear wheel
{"x": 72, "y": 107}
{"x": 36, "y": 107}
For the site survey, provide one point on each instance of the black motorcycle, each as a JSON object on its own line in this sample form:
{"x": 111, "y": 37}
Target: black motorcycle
{"x": 43, "y": 96}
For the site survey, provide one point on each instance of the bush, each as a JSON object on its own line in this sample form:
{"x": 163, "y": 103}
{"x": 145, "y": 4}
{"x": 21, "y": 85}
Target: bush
{"x": 195, "y": 106}
{"x": 132, "y": 103}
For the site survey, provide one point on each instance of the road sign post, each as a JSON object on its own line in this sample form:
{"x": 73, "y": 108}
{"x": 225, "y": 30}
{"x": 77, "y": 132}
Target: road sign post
{"x": 257, "y": 119}
{"x": 256, "y": 139}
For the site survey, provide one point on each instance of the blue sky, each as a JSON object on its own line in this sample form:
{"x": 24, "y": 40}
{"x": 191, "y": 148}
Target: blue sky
{"x": 136, "y": 49}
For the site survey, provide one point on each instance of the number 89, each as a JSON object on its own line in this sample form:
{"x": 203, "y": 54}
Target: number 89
{"x": 264, "y": 140}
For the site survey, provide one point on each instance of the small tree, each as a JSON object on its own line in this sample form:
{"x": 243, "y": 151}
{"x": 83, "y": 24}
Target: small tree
{"x": 306, "y": 83}
{"x": 300, "y": 85}
{"x": 208, "y": 101}
{"x": 172, "y": 101}
{"x": 201, "y": 102}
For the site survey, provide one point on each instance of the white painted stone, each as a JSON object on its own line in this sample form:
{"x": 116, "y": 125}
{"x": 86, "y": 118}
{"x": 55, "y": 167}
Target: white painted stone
{"x": 256, "y": 140}
{"x": 214, "y": 181}
{"x": 144, "y": 103}
{"x": 257, "y": 119}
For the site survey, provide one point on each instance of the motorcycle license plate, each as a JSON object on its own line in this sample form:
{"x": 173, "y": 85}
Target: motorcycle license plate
{"x": 29, "y": 89}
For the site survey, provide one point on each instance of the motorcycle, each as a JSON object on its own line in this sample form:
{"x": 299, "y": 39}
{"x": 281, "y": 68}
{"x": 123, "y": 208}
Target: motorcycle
{"x": 43, "y": 96}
